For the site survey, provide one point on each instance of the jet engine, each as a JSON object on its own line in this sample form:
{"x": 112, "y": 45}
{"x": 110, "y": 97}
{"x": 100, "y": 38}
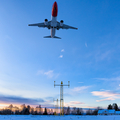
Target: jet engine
{"x": 49, "y": 27}
{"x": 61, "y": 23}
{"x": 46, "y": 21}
{"x": 57, "y": 28}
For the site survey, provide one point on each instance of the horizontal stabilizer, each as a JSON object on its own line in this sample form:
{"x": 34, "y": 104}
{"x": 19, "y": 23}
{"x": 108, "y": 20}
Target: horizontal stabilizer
{"x": 51, "y": 37}
{"x": 47, "y": 36}
{"x": 57, "y": 37}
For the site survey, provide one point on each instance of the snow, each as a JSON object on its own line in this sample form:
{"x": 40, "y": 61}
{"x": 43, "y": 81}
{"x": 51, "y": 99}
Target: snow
{"x": 66, "y": 117}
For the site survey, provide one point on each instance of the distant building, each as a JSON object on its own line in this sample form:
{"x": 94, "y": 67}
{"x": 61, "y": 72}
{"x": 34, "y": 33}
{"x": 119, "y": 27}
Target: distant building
{"x": 117, "y": 112}
{"x": 111, "y": 112}
{"x": 108, "y": 112}
{"x": 103, "y": 112}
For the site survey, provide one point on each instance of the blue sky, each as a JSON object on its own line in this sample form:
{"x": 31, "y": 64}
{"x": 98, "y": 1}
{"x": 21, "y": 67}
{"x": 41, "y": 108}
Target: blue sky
{"x": 88, "y": 57}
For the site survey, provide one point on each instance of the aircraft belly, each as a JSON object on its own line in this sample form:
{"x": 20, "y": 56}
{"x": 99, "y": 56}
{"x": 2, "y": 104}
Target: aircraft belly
{"x": 53, "y": 24}
{"x": 54, "y": 21}
{"x": 52, "y": 32}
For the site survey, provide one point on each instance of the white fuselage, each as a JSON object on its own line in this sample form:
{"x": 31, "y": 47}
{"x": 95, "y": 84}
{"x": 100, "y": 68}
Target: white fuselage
{"x": 53, "y": 26}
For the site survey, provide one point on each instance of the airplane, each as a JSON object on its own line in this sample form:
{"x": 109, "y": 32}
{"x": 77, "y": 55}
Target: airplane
{"x": 53, "y": 24}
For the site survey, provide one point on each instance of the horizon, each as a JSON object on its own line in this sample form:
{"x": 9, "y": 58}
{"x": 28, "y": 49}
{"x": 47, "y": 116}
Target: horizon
{"x": 88, "y": 57}
{"x": 39, "y": 110}
{"x": 33, "y": 106}
{"x": 54, "y": 109}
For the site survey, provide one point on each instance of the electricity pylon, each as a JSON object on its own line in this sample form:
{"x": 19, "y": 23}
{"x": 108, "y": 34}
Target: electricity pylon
{"x": 61, "y": 96}
{"x": 56, "y": 106}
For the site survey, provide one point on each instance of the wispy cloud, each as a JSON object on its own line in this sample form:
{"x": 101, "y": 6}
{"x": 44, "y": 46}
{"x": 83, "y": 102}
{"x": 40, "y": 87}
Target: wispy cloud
{"x": 80, "y": 89}
{"x": 88, "y": 107}
{"x": 20, "y": 100}
{"x": 106, "y": 95}
{"x": 109, "y": 79}
{"x": 40, "y": 72}
{"x": 102, "y": 89}
{"x": 85, "y": 44}
{"x": 105, "y": 55}
{"x": 80, "y": 82}
{"x": 77, "y": 90}
{"x": 107, "y": 99}
{"x": 49, "y": 74}
{"x": 100, "y": 56}
{"x": 62, "y": 50}
{"x": 74, "y": 103}
{"x": 61, "y": 56}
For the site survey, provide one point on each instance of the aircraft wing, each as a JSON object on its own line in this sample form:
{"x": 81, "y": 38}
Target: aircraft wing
{"x": 65, "y": 26}
{"x": 40, "y": 24}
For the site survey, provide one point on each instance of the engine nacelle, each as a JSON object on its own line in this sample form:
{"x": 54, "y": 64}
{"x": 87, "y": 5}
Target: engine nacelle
{"x": 58, "y": 28}
{"x": 49, "y": 27}
{"x": 61, "y": 23}
{"x": 46, "y": 21}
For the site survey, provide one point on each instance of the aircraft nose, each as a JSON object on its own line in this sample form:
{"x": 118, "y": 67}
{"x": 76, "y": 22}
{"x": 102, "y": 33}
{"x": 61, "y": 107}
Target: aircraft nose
{"x": 55, "y": 3}
{"x": 54, "y": 9}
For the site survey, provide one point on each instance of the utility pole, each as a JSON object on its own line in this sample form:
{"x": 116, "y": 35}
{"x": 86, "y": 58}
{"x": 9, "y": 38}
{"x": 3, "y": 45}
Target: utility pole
{"x": 61, "y": 96}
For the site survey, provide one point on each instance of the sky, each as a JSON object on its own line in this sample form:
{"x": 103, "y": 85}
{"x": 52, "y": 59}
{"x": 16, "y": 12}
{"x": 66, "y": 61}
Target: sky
{"x": 88, "y": 57}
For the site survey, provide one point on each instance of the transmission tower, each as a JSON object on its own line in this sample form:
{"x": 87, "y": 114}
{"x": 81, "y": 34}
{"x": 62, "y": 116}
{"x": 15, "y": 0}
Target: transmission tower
{"x": 56, "y": 106}
{"x": 61, "y": 96}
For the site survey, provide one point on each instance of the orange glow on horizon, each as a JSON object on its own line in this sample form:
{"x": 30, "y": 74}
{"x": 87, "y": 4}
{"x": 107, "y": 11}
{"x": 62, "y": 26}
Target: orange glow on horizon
{"x": 4, "y": 105}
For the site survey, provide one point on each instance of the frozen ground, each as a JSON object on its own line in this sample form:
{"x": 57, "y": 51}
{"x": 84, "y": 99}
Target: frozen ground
{"x": 69, "y": 117}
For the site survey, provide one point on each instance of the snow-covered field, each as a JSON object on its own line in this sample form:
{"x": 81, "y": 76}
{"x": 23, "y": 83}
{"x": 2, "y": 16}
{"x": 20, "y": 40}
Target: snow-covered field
{"x": 69, "y": 117}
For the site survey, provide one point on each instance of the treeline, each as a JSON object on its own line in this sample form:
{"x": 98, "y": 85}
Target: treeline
{"x": 77, "y": 111}
{"x": 23, "y": 110}
{"x": 80, "y": 111}
{"x": 114, "y": 106}
{"x": 27, "y": 110}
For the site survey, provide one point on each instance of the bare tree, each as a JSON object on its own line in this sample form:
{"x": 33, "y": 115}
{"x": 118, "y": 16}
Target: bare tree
{"x": 74, "y": 111}
{"x": 68, "y": 110}
{"x": 89, "y": 112}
